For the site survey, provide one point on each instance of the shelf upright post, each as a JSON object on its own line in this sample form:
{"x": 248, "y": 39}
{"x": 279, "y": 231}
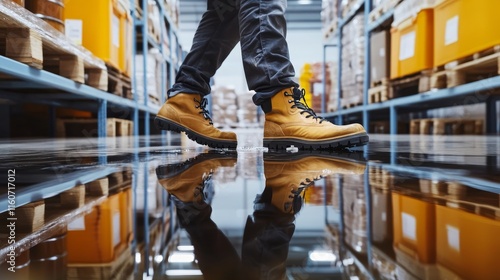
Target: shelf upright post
{"x": 492, "y": 115}
{"x": 135, "y": 116}
{"x": 393, "y": 132}
{"x": 145, "y": 36}
{"x": 101, "y": 130}
{"x": 163, "y": 65}
{"x": 369, "y": 216}
{"x": 367, "y": 77}
{"x": 339, "y": 75}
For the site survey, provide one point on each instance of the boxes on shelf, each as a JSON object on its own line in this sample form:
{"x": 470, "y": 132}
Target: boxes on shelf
{"x": 153, "y": 76}
{"x": 247, "y": 111}
{"x": 333, "y": 94}
{"x": 99, "y": 27}
{"x": 412, "y": 38}
{"x": 414, "y": 228}
{"x": 381, "y": 215}
{"x": 224, "y": 106}
{"x": 316, "y": 83}
{"x": 329, "y": 16}
{"x": 353, "y": 61}
{"x": 355, "y": 219}
{"x": 51, "y": 11}
{"x": 462, "y": 28}
{"x": 95, "y": 237}
{"x": 126, "y": 231}
{"x": 380, "y": 52}
{"x": 459, "y": 249}
{"x": 69, "y": 128}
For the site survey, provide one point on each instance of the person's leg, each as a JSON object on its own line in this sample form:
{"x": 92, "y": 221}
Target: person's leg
{"x": 289, "y": 120}
{"x": 215, "y": 38}
{"x": 185, "y": 109}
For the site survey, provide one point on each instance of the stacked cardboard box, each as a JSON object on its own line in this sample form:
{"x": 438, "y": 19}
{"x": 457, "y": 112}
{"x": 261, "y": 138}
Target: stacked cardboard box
{"x": 153, "y": 76}
{"x": 329, "y": 14}
{"x": 354, "y": 199}
{"x": 333, "y": 93}
{"x": 224, "y": 106}
{"x": 353, "y": 50}
{"x": 247, "y": 111}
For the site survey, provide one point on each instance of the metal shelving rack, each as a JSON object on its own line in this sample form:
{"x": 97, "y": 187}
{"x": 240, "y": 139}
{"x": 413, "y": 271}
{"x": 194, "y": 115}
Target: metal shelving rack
{"x": 471, "y": 93}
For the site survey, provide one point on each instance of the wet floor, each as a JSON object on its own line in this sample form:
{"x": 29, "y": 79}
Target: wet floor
{"x": 420, "y": 207}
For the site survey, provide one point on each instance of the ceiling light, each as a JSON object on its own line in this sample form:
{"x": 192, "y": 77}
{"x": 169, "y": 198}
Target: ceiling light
{"x": 181, "y": 257}
{"x": 305, "y": 2}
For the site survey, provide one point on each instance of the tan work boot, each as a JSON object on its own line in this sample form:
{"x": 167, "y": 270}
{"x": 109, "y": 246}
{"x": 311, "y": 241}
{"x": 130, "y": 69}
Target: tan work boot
{"x": 288, "y": 174}
{"x": 187, "y": 113}
{"x": 291, "y": 122}
{"x": 187, "y": 180}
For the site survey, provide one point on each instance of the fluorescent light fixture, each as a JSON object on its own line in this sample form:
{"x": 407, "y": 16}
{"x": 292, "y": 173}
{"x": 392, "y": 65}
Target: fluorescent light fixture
{"x": 305, "y": 2}
{"x": 138, "y": 257}
{"x": 185, "y": 248}
{"x": 183, "y": 272}
{"x": 322, "y": 256}
{"x": 181, "y": 257}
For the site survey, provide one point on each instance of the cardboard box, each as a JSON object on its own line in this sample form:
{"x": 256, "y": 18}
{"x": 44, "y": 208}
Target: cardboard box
{"x": 380, "y": 52}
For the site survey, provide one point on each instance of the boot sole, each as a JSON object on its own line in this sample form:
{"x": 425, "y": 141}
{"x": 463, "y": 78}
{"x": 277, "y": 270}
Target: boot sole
{"x": 164, "y": 124}
{"x": 339, "y": 143}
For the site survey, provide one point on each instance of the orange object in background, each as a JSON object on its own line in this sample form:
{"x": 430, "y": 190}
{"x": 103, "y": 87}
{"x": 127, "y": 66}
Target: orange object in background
{"x": 100, "y": 25}
{"x": 467, "y": 244}
{"x": 126, "y": 215}
{"x": 414, "y": 227}
{"x": 70, "y": 113}
{"x": 412, "y": 44}
{"x": 96, "y": 238}
{"x": 464, "y": 27}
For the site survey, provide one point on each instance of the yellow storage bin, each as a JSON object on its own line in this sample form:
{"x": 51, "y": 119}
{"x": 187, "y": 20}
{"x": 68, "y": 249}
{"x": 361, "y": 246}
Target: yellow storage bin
{"x": 96, "y": 237}
{"x": 464, "y": 27}
{"x": 126, "y": 231}
{"x": 412, "y": 44}
{"x": 467, "y": 244}
{"x": 126, "y": 33}
{"x": 414, "y": 227}
{"x": 100, "y": 24}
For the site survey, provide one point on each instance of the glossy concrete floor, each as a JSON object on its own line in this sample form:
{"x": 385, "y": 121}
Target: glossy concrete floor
{"x": 419, "y": 207}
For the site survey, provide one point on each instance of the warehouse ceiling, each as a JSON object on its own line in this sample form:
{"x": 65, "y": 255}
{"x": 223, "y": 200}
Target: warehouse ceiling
{"x": 300, "y": 14}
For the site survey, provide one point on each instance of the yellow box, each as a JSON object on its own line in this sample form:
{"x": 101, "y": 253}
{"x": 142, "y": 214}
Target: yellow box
{"x": 414, "y": 227}
{"x": 464, "y": 27}
{"x": 101, "y": 27}
{"x": 467, "y": 244}
{"x": 126, "y": 215}
{"x": 412, "y": 44}
{"x": 126, "y": 40}
{"x": 96, "y": 237}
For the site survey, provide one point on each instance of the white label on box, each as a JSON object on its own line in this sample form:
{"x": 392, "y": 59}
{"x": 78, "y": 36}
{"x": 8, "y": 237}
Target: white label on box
{"x": 407, "y": 46}
{"x": 381, "y": 52}
{"x": 409, "y": 226}
{"x": 115, "y": 30}
{"x": 77, "y": 224}
{"x": 451, "y": 33}
{"x": 453, "y": 234}
{"x": 116, "y": 229}
{"x": 74, "y": 30}
{"x": 384, "y": 216}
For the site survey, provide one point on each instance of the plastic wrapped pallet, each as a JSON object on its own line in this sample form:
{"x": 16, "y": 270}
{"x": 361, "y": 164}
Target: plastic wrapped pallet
{"x": 329, "y": 13}
{"x": 353, "y": 61}
{"x": 153, "y": 75}
{"x": 224, "y": 106}
{"x": 333, "y": 94}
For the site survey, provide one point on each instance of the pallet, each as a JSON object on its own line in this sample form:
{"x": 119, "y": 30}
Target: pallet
{"x": 410, "y": 85}
{"x": 27, "y": 218}
{"x": 118, "y": 83}
{"x": 88, "y": 127}
{"x": 379, "y": 91}
{"x": 121, "y": 268}
{"x": 489, "y": 207}
{"x": 447, "y": 126}
{"x": 70, "y": 199}
{"x": 29, "y": 40}
{"x": 471, "y": 68}
{"x": 381, "y": 9}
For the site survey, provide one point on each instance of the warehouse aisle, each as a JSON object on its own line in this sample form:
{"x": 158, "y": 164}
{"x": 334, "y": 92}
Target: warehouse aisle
{"x": 407, "y": 207}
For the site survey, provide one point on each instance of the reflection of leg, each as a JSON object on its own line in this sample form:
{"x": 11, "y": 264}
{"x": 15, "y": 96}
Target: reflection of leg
{"x": 216, "y": 256}
{"x": 264, "y": 48}
{"x": 216, "y": 36}
{"x": 266, "y": 239}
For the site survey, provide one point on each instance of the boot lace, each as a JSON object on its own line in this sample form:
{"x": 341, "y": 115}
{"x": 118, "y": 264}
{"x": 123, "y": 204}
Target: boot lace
{"x": 298, "y": 96}
{"x": 202, "y": 105}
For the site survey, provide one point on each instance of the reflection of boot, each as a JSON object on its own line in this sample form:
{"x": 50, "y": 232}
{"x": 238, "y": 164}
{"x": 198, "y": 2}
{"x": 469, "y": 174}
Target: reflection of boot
{"x": 290, "y": 173}
{"x": 186, "y": 180}
{"x": 289, "y": 121}
{"x": 187, "y": 113}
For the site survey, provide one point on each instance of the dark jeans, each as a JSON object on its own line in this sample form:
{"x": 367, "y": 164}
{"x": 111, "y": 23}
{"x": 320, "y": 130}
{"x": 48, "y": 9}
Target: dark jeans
{"x": 260, "y": 26}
